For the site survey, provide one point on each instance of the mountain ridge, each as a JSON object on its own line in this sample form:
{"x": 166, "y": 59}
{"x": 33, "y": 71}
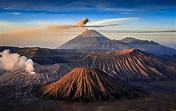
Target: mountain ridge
{"x": 93, "y": 40}
{"x": 130, "y": 64}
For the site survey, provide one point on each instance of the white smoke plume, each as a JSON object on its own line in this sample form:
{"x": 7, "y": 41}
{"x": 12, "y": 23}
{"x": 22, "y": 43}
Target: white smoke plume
{"x": 81, "y": 24}
{"x": 13, "y": 61}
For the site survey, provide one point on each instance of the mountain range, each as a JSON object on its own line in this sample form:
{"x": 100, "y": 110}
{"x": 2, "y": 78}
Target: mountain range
{"x": 93, "y": 40}
{"x": 129, "y": 64}
{"x": 89, "y": 67}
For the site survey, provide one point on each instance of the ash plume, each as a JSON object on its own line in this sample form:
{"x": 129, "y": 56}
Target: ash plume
{"x": 81, "y": 24}
{"x": 13, "y": 61}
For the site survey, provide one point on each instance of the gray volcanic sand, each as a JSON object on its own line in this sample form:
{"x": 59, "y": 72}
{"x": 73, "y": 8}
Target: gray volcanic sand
{"x": 162, "y": 98}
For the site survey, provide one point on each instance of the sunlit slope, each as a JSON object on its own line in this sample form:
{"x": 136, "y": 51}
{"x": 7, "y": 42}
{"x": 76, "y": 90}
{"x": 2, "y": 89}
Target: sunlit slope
{"x": 88, "y": 84}
{"x": 130, "y": 64}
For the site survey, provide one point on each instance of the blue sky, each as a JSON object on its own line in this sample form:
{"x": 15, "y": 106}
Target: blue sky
{"x": 20, "y": 17}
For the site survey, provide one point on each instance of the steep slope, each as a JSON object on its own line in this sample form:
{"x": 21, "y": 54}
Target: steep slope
{"x": 130, "y": 64}
{"x": 83, "y": 40}
{"x": 88, "y": 84}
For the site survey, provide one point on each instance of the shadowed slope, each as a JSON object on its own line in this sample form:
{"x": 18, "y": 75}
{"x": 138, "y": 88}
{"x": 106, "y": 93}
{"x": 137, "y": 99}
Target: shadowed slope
{"x": 88, "y": 84}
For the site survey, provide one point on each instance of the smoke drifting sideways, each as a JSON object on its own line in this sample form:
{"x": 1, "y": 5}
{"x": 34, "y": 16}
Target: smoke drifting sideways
{"x": 13, "y": 61}
{"x": 81, "y": 24}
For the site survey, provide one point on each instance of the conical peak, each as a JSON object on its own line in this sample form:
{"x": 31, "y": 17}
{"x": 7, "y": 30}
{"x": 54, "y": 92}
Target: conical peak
{"x": 88, "y": 84}
{"x": 90, "y": 33}
{"x": 84, "y": 40}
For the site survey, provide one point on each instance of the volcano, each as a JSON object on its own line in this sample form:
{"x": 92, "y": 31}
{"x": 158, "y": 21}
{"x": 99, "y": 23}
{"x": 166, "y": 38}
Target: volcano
{"x": 129, "y": 64}
{"x": 93, "y": 40}
{"x": 88, "y": 84}
{"x": 84, "y": 40}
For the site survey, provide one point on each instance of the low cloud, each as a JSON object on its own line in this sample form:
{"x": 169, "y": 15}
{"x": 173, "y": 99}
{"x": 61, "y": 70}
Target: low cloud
{"x": 59, "y": 27}
{"x": 21, "y": 31}
{"x": 34, "y": 31}
{"x": 47, "y": 36}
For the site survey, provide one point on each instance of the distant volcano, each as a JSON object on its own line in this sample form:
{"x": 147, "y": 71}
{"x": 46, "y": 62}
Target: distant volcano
{"x": 88, "y": 84}
{"x": 84, "y": 40}
{"x": 93, "y": 40}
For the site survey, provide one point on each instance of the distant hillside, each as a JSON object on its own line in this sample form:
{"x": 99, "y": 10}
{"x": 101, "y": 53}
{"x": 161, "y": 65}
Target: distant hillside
{"x": 148, "y": 46}
{"x": 129, "y": 42}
